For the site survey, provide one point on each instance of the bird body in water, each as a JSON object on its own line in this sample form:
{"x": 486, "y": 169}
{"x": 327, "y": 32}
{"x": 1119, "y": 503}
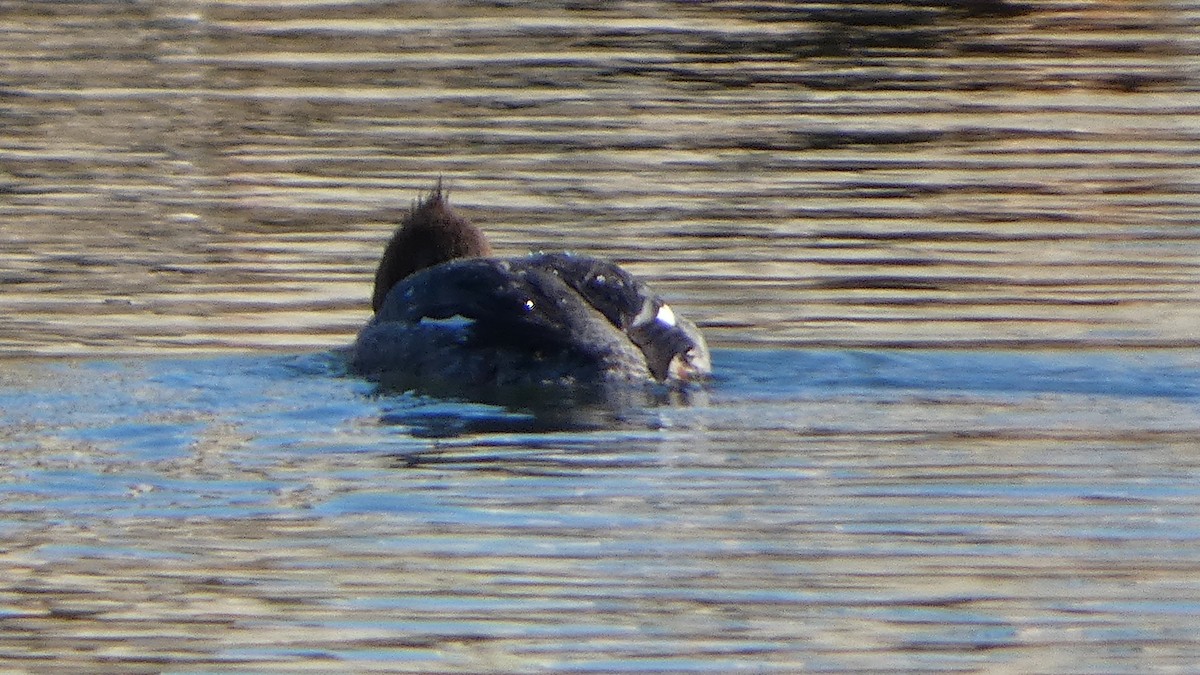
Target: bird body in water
{"x": 451, "y": 316}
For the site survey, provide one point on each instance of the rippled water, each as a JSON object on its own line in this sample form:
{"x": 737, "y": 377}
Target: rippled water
{"x": 948, "y": 254}
{"x": 822, "y": 510}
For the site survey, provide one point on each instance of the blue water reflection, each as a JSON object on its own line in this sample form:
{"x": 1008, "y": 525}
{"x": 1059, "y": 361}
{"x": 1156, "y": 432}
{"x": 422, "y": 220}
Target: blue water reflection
{"x": 231, "y": 435}
{"x": 946, "y": 504}
{"x": 1167, "y": 374}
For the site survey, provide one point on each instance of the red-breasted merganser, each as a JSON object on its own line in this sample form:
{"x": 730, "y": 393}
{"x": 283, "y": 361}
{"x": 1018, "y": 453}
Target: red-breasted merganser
{"x": 450, "y": 316}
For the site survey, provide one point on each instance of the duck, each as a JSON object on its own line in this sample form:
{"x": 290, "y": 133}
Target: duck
{"x": 451, "y": 316}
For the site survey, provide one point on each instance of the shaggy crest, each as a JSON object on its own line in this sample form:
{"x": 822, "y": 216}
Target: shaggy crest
{"x": 431, "y": 234}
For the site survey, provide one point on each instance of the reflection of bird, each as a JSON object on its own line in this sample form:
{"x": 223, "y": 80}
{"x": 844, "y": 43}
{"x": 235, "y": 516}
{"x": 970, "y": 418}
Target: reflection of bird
{"x": 448, "y": 314}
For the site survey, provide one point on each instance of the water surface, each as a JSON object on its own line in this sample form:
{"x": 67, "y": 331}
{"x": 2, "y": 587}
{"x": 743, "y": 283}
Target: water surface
{"x": 947, "y": 255}
{"x": 886, "y": 513}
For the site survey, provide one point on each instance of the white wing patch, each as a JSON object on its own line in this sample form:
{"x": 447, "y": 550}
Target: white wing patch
{"x": 665, "y": 315}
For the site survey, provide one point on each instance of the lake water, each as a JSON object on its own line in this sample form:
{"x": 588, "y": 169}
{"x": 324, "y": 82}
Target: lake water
{"x": 947, "y": 254}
